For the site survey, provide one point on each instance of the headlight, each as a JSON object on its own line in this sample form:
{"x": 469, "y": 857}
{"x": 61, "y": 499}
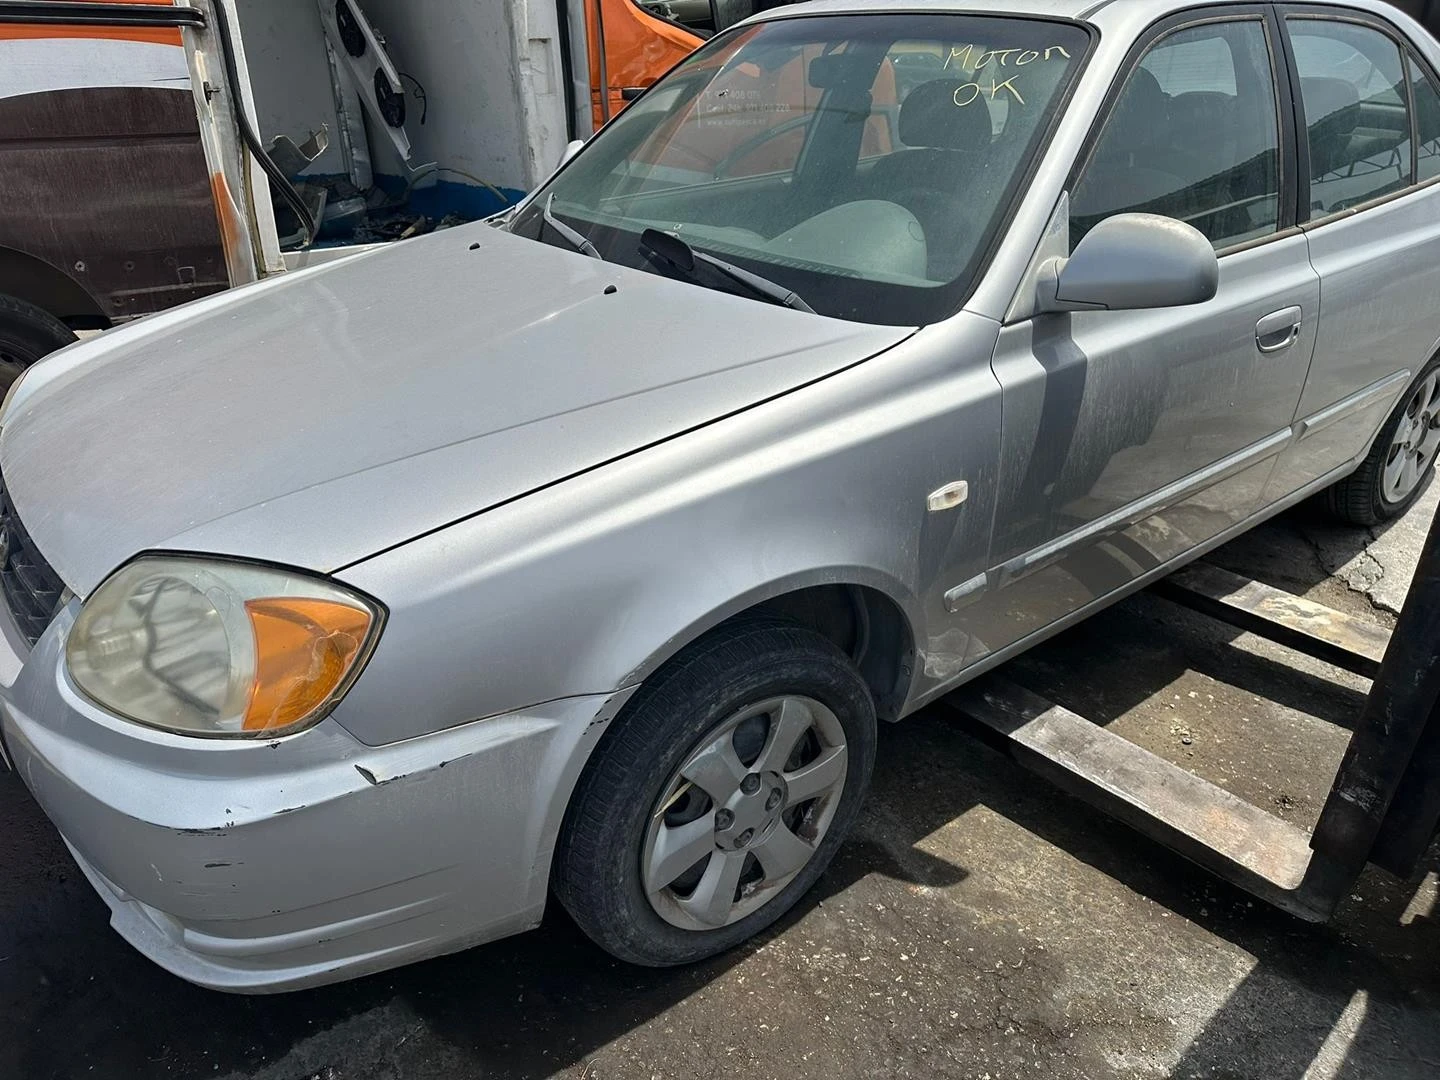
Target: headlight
{"x": 209, "y": 647}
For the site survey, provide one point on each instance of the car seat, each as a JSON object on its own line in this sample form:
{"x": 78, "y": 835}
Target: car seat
{"x": 933, "y": 177}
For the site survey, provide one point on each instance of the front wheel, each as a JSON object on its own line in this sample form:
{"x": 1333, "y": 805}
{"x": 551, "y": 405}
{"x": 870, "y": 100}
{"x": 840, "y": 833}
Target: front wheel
{"x": 719, "y": 797}
{"x": 1400, "y": 461}
{"x": 26, "y": 334}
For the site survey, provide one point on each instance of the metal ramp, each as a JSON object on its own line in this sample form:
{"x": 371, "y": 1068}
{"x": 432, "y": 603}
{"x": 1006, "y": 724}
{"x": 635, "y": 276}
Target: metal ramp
{"x": 1384, "y": 803}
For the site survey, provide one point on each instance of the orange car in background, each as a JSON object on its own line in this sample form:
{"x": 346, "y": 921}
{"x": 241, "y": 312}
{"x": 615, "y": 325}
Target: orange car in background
{"x": 631, "y": 47}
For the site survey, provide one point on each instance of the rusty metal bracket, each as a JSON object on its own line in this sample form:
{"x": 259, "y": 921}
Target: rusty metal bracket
{"x": 1384, "y": 803}
{"x": 1357, "y": 645}
{"x": 1201, "y": 821}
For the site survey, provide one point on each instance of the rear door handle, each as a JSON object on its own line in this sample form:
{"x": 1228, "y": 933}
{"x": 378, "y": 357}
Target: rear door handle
{"x": 1278, "y": 330}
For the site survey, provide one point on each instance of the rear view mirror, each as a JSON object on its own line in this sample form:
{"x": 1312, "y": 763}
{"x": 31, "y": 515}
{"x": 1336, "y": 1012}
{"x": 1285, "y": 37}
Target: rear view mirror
{"x": 840, "y": 69}
{"x": 1132, "y": 261}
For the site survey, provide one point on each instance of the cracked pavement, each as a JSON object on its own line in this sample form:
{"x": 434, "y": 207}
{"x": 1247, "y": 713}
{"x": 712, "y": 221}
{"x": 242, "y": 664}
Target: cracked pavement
{"x": 980, "y": 925}
{"x": 1383, "y": 569}
{"x": 1373, "y": 565}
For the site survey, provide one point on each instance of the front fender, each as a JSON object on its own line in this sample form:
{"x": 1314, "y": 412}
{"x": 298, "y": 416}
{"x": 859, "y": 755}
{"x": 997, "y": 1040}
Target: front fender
{"x": 589, "y": 585}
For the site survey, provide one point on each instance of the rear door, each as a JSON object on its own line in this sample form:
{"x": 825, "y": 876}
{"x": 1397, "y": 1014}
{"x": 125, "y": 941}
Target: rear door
{"x": 1131, "y": 437}
{"x": 1369, "y": 126}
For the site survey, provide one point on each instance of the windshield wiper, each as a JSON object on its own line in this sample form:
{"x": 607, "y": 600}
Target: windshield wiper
{"x": 655, "y": 244}
{"x": 575, "y": 239}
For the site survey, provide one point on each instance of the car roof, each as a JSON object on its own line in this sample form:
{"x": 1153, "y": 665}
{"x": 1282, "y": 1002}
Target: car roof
{"x": 1066, "y": 9}
{"x": 1116, "y": 14}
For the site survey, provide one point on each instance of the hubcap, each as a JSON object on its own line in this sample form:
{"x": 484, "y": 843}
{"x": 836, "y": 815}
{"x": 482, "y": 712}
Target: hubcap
{"x": 1417, "y": 439}
{"x": 751, "y": 811}
{"x": 744, "y": 812}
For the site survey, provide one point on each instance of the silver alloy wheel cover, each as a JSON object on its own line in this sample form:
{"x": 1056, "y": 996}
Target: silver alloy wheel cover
{"x": 1415, "y": 443}
{"x": 715, "y": 768}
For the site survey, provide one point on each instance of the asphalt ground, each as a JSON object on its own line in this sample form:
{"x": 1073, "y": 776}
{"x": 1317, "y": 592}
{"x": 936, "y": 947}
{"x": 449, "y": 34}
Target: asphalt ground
{"x": 979, "y": 925}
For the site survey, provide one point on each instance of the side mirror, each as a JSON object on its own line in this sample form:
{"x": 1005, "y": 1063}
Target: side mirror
{"x": 1132, "y": 261}
{"x": 571, "y": 149}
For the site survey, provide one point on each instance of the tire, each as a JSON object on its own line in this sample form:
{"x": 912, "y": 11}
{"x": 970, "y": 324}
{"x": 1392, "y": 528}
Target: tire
{"x": 26, "y": 334}
{"x": 730, "y": 689}
{"x": 1382, "y": 487}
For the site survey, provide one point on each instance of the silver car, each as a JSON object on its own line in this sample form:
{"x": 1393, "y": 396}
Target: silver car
{"x": 351, "y": 615}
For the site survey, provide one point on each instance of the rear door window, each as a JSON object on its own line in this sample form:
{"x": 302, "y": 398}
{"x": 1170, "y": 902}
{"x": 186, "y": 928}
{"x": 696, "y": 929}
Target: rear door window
{"x": 1426, "y": 100}
{"x": 1353, "y": 96}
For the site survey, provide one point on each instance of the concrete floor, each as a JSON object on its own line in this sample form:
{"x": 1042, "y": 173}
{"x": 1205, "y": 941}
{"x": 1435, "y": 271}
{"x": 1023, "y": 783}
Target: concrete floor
{"x": 980, "y": 925}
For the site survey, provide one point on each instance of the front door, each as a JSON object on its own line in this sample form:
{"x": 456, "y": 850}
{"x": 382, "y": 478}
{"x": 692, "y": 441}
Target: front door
{"x": 1130, "y": 437}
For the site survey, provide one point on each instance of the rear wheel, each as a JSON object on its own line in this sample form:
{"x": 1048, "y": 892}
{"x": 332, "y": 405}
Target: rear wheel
{"x": 1400, "y": 462}
{"x": 26, "y": 334}
{"x": 719, "y": 797}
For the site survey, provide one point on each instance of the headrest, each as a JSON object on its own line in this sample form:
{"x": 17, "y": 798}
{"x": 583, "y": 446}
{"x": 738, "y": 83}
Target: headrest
{"x": 1201, "y": 106}
{"x": 1144, "y": 109}
{"x": 1144, "y": 82}
{"x": 929, "y": 117}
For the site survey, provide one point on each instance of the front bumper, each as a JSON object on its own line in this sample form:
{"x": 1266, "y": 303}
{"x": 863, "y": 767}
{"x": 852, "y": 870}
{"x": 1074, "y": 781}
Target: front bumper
{"x": 267, "y": 866}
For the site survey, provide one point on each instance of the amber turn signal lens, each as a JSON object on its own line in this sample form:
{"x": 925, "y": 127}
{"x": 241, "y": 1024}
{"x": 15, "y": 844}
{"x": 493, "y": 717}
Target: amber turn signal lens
{"x": 219, "y": 648}
{"x": 304, "y": 648}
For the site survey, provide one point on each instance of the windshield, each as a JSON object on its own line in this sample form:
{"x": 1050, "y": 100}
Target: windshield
{"x": 863, "y": 162}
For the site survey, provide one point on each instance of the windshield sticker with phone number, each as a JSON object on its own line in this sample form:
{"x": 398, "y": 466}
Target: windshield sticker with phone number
{"x": 962, "y": 56}
{"x": 741, "y": 108}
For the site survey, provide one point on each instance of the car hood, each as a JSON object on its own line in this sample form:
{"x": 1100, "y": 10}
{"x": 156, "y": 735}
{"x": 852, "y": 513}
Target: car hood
{"x": 321, "y": 416}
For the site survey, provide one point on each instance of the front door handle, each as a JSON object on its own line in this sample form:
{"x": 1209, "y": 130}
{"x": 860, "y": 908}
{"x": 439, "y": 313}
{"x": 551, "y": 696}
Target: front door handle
{"x": 1278, "y": 330}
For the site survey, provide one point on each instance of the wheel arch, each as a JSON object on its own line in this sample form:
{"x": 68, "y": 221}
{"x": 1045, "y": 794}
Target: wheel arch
{"x": 32, "y": 279}
{"x": 867, "y": 615}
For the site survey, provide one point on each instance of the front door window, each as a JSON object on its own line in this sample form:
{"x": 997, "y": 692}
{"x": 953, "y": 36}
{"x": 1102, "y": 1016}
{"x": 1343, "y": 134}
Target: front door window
{"x": 1194, "y": 136}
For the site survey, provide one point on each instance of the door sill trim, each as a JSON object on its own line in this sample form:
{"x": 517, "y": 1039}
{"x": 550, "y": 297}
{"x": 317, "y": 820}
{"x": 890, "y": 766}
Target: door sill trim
{"x": 1318, "y": 421}
{"x": 1119, "y": 520}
